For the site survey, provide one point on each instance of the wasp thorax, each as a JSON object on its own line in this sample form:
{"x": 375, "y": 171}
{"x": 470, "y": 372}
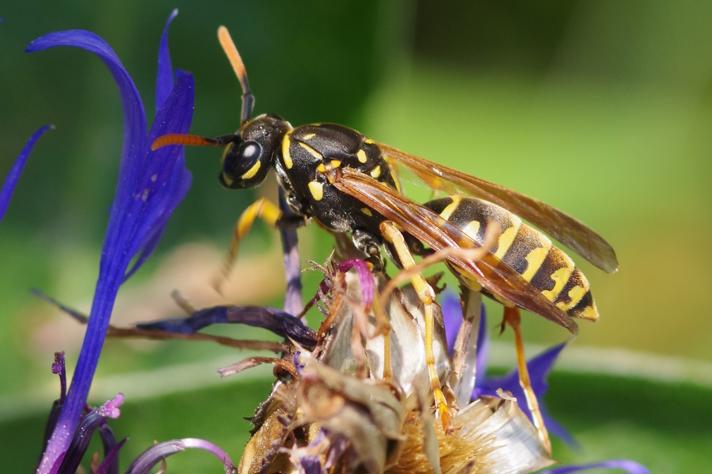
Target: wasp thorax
{"x": 250, "y": 156}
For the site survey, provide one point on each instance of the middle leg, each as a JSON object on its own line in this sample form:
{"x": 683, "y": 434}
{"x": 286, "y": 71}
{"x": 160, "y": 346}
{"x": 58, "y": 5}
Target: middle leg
{"x": 426, "y": 294}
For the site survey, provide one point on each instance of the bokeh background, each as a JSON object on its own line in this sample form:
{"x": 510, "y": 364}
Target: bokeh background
{"x": 603, "y": 109}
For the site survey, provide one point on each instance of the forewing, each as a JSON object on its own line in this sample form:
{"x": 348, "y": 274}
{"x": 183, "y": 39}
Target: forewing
{"x": 435, "y": 232}
{"x": 562, "y": 227}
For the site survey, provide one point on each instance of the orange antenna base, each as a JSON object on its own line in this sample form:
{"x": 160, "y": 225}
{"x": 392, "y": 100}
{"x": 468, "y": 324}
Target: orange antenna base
{"x": 189, "y": 140}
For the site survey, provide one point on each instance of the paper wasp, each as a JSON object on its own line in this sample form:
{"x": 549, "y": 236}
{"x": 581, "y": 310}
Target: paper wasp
{"x": 348, "y": 183}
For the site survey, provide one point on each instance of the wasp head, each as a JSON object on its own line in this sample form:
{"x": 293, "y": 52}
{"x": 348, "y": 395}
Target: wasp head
{"x": 252, "y": 152}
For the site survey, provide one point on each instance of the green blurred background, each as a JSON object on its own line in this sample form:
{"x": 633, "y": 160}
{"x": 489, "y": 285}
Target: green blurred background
{"x": 602, "y": 109}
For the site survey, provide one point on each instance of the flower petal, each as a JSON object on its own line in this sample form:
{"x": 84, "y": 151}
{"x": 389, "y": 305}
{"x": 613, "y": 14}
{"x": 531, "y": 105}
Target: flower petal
{"x": 482, "y": 345}
{"x": 274, "y": 320}
{"x": 452, "y": 318}
{"x": 83, "y": 435}
{"x": 8, "y": 187}
{"x": 157, "y": 452}
{"x": 134, "y": 115}
{"x": 164, "y": 178}
{"x": 149, "y": 188}
{"x": 539, "y": 368}
{"x": 164, "y": 76}
{"x": 365, "y": 278}
{"x": 624, "y": 465}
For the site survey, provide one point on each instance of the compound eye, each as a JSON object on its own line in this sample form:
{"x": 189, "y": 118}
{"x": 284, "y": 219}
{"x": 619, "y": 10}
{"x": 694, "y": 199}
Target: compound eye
{"x": 240, "y": 159}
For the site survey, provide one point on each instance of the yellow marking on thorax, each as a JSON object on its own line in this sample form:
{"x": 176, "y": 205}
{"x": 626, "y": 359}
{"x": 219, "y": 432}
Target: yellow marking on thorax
{"x": 575, "y": 295}
{"x": 311, "y": 151}
{"x": 535, "y": 259}
{"x": 560, "y": 277}
{"x": 368, "y": 141}
{"x": 472, "y": 229}
{"x": 333, "y": 164}
{"x": 316, "y": 189}
{"x": 361, "y": 155}
{"x": 367, "y": 211}
{"x": 450, "y": 208}
{"x": 286, "y": 156}
{"x": 252, "y": 171}
{"x": 376, "y": 172}
{"x": 507, "y": 237}
{"x": 308, "y": 136}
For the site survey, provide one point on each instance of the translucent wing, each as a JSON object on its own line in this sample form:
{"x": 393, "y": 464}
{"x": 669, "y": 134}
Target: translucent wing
{"x": 562, "y": 227}
{"x": 434, "y": 231}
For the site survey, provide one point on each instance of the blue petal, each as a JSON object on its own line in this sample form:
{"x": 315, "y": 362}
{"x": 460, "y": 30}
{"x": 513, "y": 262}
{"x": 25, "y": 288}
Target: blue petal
{"x": 134, "y": 115}
{"x": 482, "y": 345}
{"x": 165, "y": 180}
{"x": 150, "y": 186}
{"x": 452, "y": 318}
{"x": 539, "y": 368}
{"x": 624, "y": 465}
{"x": 8, "y": 187}
{"x": 164, "y": 77}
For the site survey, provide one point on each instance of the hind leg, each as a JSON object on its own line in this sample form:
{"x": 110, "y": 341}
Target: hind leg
{"x": 512, "y": 318}
{"x": 427, "y": 297}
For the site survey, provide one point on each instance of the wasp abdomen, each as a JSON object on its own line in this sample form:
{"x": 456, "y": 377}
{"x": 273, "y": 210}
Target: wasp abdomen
{"x": 524, "y": 249}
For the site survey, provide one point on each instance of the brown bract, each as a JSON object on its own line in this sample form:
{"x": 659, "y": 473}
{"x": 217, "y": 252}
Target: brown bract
{"x": 339, "y": 415}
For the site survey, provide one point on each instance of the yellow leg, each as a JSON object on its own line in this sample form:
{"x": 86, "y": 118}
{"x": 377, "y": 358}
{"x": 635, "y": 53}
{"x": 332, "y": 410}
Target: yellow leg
{"x": 427, "y": 297}
{"x": 513, "y": 318}
{"x": 262, "y": 209}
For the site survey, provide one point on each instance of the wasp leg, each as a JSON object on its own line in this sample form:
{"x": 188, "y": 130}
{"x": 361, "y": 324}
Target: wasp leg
{"x": 427, "y": 297}
{"x": 369, "y": 246}
{"x": 513, "y": 318}
{"x": 262, "y": 209}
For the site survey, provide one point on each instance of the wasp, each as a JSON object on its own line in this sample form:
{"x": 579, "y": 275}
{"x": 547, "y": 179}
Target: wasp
{"x": 349, "y": 184}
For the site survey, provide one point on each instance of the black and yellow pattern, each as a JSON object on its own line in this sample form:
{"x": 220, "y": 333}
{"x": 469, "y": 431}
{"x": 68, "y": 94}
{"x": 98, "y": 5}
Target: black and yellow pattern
{"x": 309, "y": 152}
{"x": 524, "y": 249}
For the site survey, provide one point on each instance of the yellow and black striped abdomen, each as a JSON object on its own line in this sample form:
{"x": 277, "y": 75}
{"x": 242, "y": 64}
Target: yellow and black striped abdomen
{"x": 524, "y": 249}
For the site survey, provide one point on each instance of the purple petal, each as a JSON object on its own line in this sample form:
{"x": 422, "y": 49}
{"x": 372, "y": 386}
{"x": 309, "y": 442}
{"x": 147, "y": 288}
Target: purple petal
{"x": 59, "y": 368}
{"x": 150, "y": 186}
{"x": 134, "y": 115}
{"x": 365, "y": 278}
{"x": 539, "y": 368}
{"x": 157, "y": 452}
{"x": 83, "y": 435}
{"x": 164, "y": 179}
{"x": 311, "y": 465}
{"x": 482, "y": 346}
{"x": 164, "y": 76}
{"x": 452, "y": 318}
{"x": 110, "y": 464}
{"x": 8, "y": 187}
{"x": 624, "y": 465}
{"x": 279, "y": 322}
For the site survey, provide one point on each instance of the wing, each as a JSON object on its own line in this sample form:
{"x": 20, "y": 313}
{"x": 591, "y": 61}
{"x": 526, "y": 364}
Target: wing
{"x": 562, "y": 227}
{"x": 435, "y": 232}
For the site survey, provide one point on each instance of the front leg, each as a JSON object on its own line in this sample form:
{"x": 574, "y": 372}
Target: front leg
{"x": 370, "y": 246}
{"x": 260, "y": 209}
